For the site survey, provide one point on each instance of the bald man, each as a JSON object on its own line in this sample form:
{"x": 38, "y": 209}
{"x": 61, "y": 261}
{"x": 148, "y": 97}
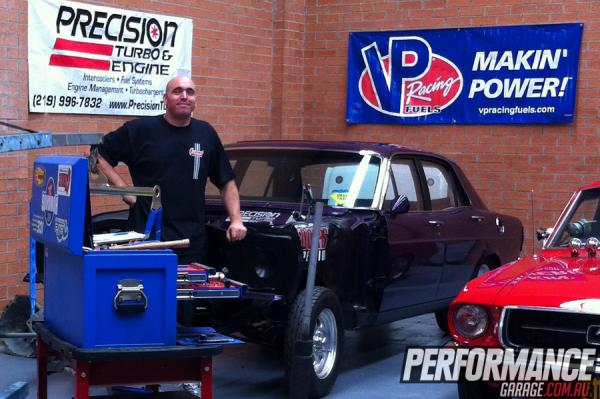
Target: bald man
{"x": 179, "y": 153}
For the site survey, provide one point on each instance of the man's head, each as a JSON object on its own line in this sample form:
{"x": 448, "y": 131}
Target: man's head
{"x": 180, "y": 100}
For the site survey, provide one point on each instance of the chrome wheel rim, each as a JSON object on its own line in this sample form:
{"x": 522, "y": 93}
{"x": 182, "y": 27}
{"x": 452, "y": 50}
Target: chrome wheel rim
{"x": 324, "y": 343}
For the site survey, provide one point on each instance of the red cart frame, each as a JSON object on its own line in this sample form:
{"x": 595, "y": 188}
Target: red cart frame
{"x": 130, "y": 365}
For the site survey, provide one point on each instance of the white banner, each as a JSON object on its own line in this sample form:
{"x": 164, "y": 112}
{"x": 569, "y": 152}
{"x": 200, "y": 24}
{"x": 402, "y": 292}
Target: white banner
{"x": 87, "y": 59}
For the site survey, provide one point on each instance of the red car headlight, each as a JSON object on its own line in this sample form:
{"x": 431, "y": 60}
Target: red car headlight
{"x": 470, "y": 321}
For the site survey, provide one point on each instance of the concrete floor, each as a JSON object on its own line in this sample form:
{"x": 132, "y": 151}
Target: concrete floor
{"x": 370, "y": 368}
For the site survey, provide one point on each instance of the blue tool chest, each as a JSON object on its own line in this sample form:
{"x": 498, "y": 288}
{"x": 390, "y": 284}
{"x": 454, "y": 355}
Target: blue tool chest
{"x": 96, "y": 298}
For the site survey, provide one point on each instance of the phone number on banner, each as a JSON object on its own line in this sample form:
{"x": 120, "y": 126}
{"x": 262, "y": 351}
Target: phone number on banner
{"x": 52, "y": 101}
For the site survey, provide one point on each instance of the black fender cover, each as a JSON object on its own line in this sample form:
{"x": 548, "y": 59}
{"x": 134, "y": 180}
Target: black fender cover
{"x": 269, "y": 258}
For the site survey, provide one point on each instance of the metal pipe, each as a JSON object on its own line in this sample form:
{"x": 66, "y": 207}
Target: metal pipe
{"x": 302, "y": 361}
{"x": 312, "y": 268}
{"x": 18, "y": 335}
{"x": 36, "y": 140}
{"x": 130, "y": 190}
{"x": 184, "y": 243}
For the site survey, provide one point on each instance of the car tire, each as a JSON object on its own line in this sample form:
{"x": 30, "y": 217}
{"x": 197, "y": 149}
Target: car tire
{"x": 441, "y": 318}
{"x": 327, "y": 330}
{"x": 477, "y": 390}
{"x": 16, "y": 319}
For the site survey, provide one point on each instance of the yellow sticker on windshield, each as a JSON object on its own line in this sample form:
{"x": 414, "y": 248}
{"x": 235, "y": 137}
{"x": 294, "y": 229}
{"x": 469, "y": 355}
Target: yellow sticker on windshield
{"x": 339, "y": 196}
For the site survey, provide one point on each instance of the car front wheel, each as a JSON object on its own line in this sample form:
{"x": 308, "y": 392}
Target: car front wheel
{"x": 441, "y": 318}
{"x": 327, "y": 332}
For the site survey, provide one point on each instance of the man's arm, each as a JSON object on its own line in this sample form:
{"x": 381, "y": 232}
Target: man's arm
{"x": 116, "y": 180}
{"x": 231, "y": 198}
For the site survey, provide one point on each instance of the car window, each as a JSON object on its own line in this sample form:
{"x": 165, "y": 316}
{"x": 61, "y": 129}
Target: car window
{"x": 258, "y": 181}
{"x": 587, "y": 210}
{"x": 403, "y": 180}
{"x": 440, "y": 184}
{"x": 338, "y": 182}
{"x": 212, "y": 190}
{"x": 345, "y": 179}
{"x": 583, "y": 220}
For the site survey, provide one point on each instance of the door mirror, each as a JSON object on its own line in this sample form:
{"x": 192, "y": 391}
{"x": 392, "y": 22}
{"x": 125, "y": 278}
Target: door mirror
{"x": 400, "y": 205}
{"x": 308, "y": 194}
{"x": 543, "y": 233}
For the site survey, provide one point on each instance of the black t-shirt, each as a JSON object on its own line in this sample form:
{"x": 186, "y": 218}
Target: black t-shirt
{"x": 179, "y": 160}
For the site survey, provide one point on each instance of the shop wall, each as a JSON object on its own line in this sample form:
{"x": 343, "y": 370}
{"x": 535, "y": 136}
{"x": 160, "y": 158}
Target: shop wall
{"x": 233, "y": 65}
{"x": 504, "y": 162}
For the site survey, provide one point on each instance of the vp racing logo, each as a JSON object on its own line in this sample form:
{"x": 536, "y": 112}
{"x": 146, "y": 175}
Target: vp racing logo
{"x": 49, "y": 201}
{"x": 410, "y": 80}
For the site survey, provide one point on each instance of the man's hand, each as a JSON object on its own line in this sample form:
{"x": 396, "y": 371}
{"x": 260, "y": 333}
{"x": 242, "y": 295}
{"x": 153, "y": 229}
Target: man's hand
{"x": 231, "y": 199}
{"x": 236, "y": 231}
{"x": 130, "y": 200}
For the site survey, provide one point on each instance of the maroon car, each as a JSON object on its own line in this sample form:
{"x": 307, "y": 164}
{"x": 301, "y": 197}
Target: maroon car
{"x": 403, "y": 231}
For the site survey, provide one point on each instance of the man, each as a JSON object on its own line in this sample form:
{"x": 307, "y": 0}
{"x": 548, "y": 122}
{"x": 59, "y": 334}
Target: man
{"x": 178, "y": 153}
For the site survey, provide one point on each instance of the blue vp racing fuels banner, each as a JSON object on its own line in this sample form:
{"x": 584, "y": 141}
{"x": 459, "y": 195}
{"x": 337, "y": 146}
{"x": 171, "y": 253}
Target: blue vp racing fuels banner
{"x": 512, "y": 74}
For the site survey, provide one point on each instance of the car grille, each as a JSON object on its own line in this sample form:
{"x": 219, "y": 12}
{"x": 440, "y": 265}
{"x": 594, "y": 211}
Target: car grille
{"x": 540, "y": 328}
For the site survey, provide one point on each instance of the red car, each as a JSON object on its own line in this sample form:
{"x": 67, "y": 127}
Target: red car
{"x": 550, "y": 299}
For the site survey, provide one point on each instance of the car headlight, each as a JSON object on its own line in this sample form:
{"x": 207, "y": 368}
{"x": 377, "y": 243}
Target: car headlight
{"x": 470, "y": 321}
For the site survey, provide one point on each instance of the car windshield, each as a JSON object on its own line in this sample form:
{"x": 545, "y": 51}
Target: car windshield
{"x": 582, "y": 220}
{"x": 345, "y": 179}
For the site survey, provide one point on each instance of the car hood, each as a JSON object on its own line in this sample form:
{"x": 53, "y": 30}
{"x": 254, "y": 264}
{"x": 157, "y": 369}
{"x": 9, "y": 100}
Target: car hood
{"x": 551, "y": 279}
{"x": 274, "y": 213}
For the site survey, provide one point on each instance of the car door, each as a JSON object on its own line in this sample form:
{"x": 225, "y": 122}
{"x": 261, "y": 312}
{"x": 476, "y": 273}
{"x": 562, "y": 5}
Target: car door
{"x": 456, "y": 222}
{"x": 415, "y": 255}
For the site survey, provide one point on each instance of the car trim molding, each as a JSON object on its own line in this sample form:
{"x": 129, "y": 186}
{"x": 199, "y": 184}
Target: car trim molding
{"x": 563, "y": 215}
{"x": 592, "y": 335}
{"x": 382, "y": 184}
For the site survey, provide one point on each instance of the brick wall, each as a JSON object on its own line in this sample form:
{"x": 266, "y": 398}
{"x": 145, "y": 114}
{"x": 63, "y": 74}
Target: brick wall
{"x": 277, "y": 69}
{"x": 232, "y": 65}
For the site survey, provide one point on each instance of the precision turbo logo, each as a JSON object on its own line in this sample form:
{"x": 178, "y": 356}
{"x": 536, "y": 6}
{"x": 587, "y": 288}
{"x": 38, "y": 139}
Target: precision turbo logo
{"x": 115, "y": 27}
{"x": 132, "y": 32}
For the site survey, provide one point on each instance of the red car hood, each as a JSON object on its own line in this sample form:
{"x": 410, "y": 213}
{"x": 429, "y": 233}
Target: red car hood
{"x": 551, "y": 279}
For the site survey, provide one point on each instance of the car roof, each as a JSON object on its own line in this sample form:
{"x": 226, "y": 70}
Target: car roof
{"x": 383, "y": 149}
{"x": 595, "y": 184}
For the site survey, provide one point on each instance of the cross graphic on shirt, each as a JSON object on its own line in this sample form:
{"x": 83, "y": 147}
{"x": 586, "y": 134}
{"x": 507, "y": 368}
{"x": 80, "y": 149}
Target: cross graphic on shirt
{"x": 197, "y": 153}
